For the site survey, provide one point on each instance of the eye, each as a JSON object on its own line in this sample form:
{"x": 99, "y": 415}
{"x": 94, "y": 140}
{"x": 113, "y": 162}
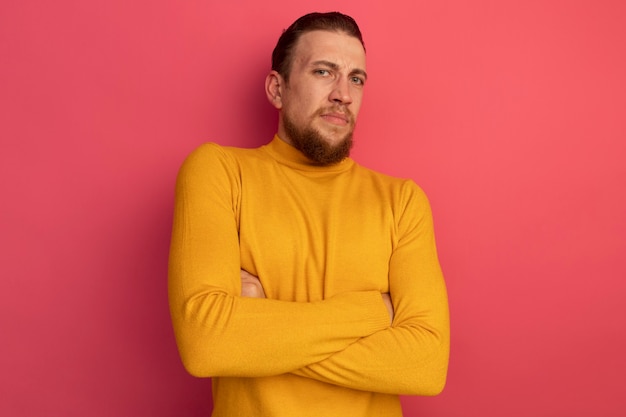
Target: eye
{"x": 357, "y": 80}
{"x": 322, "y": 72}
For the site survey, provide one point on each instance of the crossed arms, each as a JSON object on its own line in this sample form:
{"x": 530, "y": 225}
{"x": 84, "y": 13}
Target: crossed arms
{"x": 251, "y": 287}
{"x": 225, "y": 326}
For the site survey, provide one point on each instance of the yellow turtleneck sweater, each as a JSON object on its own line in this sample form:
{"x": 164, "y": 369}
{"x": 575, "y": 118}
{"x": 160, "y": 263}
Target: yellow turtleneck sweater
{"x": 325, "y": 243}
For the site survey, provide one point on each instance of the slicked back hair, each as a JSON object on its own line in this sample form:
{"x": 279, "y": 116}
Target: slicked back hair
{"x": 282, "y": 56}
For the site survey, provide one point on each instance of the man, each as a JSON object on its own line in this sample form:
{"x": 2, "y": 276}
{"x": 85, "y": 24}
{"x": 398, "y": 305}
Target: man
{"x": 302, "y": 282}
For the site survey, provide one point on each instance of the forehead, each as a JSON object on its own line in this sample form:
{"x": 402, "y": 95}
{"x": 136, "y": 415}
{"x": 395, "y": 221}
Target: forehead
{"x": 336, "y": 47}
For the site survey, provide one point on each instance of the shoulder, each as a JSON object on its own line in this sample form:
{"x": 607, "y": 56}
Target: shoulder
{"x": 212, "y": 156}
{"x": 404, "y": 195}
{"x": 397, "y": 185}
{"x": 211, "y": 151}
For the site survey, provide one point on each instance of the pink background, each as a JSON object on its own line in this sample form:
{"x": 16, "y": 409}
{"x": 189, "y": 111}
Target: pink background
{"x": 510, "y": 114}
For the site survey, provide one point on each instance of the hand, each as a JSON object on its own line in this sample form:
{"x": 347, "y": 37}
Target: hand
{"x": 251, "y": 286}
{"x": 389, "y": 305}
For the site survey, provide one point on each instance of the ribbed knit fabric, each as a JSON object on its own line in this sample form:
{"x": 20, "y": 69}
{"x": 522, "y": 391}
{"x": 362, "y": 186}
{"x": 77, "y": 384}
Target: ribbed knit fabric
{"x": 325, "y": 243}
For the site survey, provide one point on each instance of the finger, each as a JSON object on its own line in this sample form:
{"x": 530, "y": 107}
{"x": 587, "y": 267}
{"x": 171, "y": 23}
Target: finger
{"x": 246, "y": 274}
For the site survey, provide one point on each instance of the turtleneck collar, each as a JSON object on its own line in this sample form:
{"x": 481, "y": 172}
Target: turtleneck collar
{"x": 286, "y": 154}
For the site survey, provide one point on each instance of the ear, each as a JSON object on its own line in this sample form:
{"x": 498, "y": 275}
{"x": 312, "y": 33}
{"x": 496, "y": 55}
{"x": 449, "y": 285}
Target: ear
{"x": 274, "y": 85}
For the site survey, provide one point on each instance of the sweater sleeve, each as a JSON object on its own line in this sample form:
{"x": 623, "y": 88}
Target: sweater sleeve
{"x": 217, "y": 331}
{"x": 411, "y": 357}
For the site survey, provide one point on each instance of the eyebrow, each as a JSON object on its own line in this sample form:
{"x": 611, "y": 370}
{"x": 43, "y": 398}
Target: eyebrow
{"x": 333, "y": 66}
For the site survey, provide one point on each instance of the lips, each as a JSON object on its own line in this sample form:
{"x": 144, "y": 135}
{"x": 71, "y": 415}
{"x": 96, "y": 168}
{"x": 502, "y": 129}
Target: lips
{"x": 336, "y": 118}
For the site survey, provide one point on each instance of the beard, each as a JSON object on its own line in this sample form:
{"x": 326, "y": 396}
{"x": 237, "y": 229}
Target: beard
{"x": 312, "y": 144}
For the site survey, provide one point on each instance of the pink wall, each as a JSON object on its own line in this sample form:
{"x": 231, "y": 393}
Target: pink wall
{"x": 510, "y": 114}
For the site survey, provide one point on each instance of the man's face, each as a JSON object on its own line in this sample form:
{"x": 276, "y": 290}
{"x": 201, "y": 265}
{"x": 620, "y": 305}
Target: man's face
{"x": 321, "y": 100}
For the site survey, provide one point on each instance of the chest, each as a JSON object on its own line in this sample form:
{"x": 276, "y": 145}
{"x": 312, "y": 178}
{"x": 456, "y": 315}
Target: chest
{"x": 308, "y": 240}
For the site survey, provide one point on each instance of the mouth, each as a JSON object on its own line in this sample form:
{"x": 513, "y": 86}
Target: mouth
{"x": 336, "y": 118}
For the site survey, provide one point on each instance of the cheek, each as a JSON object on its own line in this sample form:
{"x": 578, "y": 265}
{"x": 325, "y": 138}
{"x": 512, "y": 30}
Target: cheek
{"x": 356, "y": 105}
{"x": 304, "y": 104}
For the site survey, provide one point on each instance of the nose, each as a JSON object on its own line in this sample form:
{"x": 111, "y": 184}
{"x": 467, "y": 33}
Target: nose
{"x": 341, "y": 92}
